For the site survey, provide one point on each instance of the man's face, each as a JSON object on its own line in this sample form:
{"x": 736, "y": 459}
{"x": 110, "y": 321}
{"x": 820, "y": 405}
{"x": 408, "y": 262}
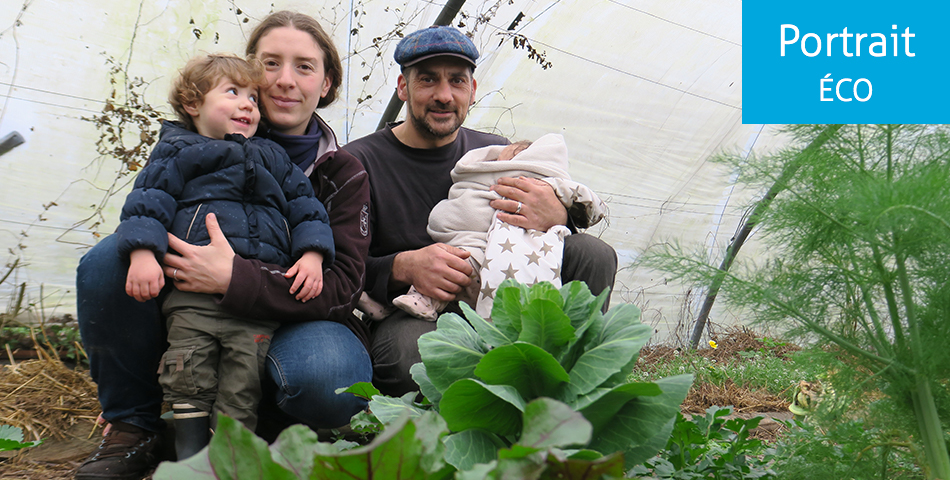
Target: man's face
{"x": 437, "y": 93}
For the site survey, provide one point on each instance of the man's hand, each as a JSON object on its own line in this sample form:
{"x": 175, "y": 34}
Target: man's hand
{"x": 204, "y": 269}
{"x": 438, "y": 270}
{"x": 145, "y": 278}
{"x": 309, "y": 276}
{"x": 539, "y": 209}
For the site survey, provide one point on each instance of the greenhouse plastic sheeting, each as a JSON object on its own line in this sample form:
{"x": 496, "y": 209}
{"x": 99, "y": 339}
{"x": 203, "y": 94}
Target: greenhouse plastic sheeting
{"x": 644, "y": 92}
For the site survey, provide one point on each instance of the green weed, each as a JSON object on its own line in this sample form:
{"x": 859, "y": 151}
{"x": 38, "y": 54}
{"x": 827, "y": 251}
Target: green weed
{"x": 11, "y": 438}
{"x": 710, "y": 447}
{"x": 60, "y": 336}
{"x": 753, "y": 370}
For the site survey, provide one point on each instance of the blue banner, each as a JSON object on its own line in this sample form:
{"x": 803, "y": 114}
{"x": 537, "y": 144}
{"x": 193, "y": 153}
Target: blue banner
{"x": 865, "y": 61}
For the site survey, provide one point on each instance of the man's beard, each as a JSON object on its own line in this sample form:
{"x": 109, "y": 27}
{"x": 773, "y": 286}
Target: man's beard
{"x": 423, "y": 125}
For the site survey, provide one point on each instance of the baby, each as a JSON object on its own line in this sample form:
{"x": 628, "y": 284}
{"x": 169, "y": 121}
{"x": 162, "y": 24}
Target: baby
{"x": 499, "y": 250}
{"x": 510, "y": 151}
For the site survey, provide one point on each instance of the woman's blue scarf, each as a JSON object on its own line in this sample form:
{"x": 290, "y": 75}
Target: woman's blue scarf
{"x": 302, "y": 149}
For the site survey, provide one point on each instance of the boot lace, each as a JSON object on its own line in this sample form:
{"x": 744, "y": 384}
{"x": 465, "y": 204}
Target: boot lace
{"x": 126, "y": 444}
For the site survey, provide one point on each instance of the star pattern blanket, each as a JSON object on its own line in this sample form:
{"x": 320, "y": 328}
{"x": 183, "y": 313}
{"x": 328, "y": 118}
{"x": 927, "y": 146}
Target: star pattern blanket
{"x": 528, "y": 256}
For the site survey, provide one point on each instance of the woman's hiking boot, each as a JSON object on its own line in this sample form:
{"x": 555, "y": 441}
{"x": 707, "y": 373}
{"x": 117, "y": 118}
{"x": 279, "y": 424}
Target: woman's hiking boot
{"x": 127, "y": 452}
{"x": 192, "y": 429}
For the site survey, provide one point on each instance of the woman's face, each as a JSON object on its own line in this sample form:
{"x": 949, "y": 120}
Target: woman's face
{"x": 296, "y": 78}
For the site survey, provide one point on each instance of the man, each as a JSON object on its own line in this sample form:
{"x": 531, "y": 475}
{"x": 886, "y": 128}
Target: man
{"x": 409, "y": 166}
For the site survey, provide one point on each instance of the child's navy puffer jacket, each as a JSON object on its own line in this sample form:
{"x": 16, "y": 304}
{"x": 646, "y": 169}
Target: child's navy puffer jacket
{"x": 263, "y": 202}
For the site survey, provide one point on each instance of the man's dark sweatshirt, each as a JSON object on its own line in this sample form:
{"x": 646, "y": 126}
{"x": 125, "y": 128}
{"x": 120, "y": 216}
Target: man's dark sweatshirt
{"x": 406, "y": 183}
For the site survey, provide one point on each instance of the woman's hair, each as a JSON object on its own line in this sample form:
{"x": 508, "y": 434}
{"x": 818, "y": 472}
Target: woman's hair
{"x": 333, "y": 68}
{"x": 201, "y": 74}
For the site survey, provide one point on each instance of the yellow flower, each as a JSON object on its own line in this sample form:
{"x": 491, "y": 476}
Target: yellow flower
{"x": 713, "y": 344}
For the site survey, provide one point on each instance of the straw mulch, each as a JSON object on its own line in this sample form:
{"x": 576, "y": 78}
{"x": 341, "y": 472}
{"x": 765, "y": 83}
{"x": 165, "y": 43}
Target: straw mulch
{"x": 728, "y": 345}
{"x": 743, "y": 400}
{"x": 46, "y": 400}
{"x": 45, "y": 397}
{"x": 738, "y": 339}
{"x": 21, "y": 468}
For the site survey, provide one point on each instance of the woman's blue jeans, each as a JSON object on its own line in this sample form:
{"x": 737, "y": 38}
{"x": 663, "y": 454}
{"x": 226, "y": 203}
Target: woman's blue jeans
{"x": 125, "y": 340}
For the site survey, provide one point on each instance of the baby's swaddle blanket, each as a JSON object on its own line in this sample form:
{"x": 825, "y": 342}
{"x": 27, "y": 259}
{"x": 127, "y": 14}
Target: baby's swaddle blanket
{"x": 528, "y": 256}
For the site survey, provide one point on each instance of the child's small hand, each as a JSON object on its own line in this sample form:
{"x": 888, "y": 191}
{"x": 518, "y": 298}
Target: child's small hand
{"x": 309, "y": 276}
{"x": 145, "y": 279}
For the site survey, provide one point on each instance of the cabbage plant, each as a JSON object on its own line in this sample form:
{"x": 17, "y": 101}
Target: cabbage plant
{"x": 541, "y": 344}
{"x": 408, "y": 449}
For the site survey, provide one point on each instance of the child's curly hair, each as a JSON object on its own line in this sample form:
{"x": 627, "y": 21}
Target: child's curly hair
{"x": 201, "y": 74}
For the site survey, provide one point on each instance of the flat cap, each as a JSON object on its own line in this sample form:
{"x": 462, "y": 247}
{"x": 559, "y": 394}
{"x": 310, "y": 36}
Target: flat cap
{"x": 435, "y": 41}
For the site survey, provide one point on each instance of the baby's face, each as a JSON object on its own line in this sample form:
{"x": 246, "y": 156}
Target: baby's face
{"x": 510, "y": 151}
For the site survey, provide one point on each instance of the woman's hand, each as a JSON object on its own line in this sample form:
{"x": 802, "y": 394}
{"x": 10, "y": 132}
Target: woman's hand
{"x": 205, "y": 269}
{"x": 529, "y": 203}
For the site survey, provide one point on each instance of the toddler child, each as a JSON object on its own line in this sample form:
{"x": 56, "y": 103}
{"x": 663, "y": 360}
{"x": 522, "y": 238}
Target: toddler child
{"x": 211, "y": 162}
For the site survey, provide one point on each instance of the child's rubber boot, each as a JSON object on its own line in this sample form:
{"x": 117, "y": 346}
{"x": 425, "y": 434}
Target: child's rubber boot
{"x": 192, "y": 429}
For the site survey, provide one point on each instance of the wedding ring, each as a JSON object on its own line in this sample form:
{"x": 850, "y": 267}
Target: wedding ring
{"x": 175, "y": 275}
{"x": 518, "y": 210}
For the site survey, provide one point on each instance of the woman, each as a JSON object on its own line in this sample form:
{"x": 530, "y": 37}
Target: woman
{"x": 320, "y": 345}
